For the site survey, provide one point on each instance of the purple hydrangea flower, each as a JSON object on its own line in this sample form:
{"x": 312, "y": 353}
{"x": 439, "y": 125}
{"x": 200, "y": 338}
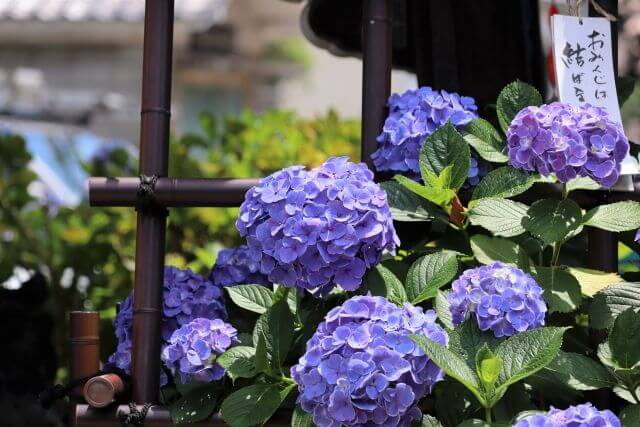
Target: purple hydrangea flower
{"x": 584, "y": 415}
{"x": 192, "y": 349}
{"x": 186, "y": 296}
{"x": 314, "y": 229}
{"x": 413, "y": 116}
{"x": 502, "y": 298}
{"x": 235, "y": 266}
{"x": 361, "y": 368}
{"x": 637, "y": 237}
{"x": 478, "y": 169}
{"x": 569, "y": 141}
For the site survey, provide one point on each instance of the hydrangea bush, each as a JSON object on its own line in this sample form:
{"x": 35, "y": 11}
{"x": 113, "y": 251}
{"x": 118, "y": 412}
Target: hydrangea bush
{"x": 487, "y": 321}
{"x": 315, "y": 229}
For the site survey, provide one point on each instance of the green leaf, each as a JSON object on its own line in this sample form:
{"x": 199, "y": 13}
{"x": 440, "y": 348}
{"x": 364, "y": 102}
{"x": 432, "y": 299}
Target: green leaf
{"x": 623, "y": 339}
{"x": 467, "y": 339}
{"x": 407, "y": 206}
{"x": 275, "y": 327}
{"x": 561, "y": 290}
{"x": 502, "y": 183}
{"x": 513, "y": 98}
{"x": 582, "y": 183}
{"x": 429, "y": 421}
{"x": 254, "y": 405}
{"x": 526, "y": 353}
{"x": 439, "y": 196}
{"x": 445, "y": 147}
{"x": 625, "y": 86}
{"x": 380, "y": 281}
{"x": 451, "y": 364}
{"x": 630, "y": 416}
{"x": 429, "y": 273}
{"x": 442, "y": 307}
{"x": 300, "y": 418}
{"x": 489, "y": 249}
{"x": 196, "y": 405}
{"x": 616, "y": 217}
{"x": 488, "y": 367}
{"x": 577, "y": 371}
{"x": 593, "y": 281}
{"x": 486, "y": 140}
{"x": 501, "y": 217}
{"x": 475, "y": 423}
{"x": 254, "y": 298}
{"x": 239, "y": 362}
{"x": 552, "y": 220}
{"x": 261, "y": 358}
{"x": 611, "y": 301}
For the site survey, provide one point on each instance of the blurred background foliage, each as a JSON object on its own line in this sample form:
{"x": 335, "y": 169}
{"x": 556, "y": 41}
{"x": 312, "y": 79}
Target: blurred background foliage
{"x": 86, "y": 255}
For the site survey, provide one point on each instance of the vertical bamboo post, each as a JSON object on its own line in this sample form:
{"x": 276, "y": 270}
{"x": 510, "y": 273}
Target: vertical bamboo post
{"x": 151, "y": 223}
{"x": 376, "y": 72}
{"x": 84, "y": 346}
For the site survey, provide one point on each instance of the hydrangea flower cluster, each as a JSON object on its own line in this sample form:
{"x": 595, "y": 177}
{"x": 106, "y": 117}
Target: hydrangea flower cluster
{"x": 584, "y": 415}
{"x": 186, "y": 296}
{"x": 235, "y": 266}
{"x": 191, "y": 351}
{"x": 314, "y": 229}
{"x": 413, "y": 116}
{"x": 569, "y": 141}
{"x": 361, "y": 367}
{"x": 478, "y": 169}
{"x": 502, "y": 298}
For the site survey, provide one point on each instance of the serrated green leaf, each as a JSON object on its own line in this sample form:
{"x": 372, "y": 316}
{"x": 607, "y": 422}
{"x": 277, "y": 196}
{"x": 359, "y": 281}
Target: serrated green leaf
{"x": 261, "y": 358}
{"x": 276, "y": 328}
{"x": 429, "y": 273}
{"x": 526, "y": 353}
{"x": 486, "y": 140}
{"x": 451, "y": 364}
{"x": 501, "y": 217}
{"x": 611, "y": 301}
{"x": 429, "y": 421}
{"x": 577, "y": 371}
{"x": 552, "y": 220}
{"x": 467, "y": 339}
{"x": 582, "y": 183}
{"x": 256, "y": 298}
{"x": 300, "y": 418}
{"x": 488, "y": 367}
{"x": 616, "y": 217}
{"x": 623, "y": 339}
{"x": 630, "y": 416}
{"x": 407, "y": 206}
{"x": 513, "y": 98}
{"x": 445, "y": 148}
{"x": 253, "y": 405}
{"x": 239, "y": 362}
{"x": 194, "y": 406}
{"x": 442, "y": 307}
{"x": 502, "y": 183}
{"x": 561, "y": 290}
{"x": 489, "y": 249}
{"x": 438, "y": 196}
{"x": 593, "y": 281}
{"x": 380, "y": 281}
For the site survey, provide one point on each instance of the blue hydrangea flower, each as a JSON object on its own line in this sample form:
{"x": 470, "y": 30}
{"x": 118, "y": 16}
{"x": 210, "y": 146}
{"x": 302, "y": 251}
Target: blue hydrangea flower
{"x": 186, "y": 296}
{"x": 569, "y": 141}
{"x": 584, "y": 415}
{"x": 413, "y": 116}
{"x": 637, "y": 236}
{"x": 501, "y": 297}
{"x": 478, "y": 169}
{"x": 192, "y": 349}
{"x": 361, "y": 368}
{"x": 314, "y": 229}
{"x": 235, "y": 266}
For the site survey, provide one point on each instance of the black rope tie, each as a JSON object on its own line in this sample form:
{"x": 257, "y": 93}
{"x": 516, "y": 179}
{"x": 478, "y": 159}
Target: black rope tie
{"x": 136, "y": 416}
{"x": 146, "y": 196}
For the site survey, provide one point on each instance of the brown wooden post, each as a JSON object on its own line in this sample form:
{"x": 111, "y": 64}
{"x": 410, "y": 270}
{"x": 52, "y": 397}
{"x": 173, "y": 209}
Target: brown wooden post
{"x": 150, "y": 233}
{"x": 84, "y": 347}
{"x": 376, "y": 72}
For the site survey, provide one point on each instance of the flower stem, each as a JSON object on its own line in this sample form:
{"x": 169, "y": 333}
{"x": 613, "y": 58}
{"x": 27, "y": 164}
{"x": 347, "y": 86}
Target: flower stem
{"x": 565, "y": 191}
{"x": 556, "y": 254}
{"x": 487, "y": 415}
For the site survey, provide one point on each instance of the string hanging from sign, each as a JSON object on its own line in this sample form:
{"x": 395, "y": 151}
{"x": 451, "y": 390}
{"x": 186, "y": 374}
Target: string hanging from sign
{"x": 574, "y": 9}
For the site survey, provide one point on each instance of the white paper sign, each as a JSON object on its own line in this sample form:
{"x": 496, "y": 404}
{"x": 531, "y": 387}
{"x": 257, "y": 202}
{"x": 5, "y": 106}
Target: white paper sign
{"x": 584, "y": 66}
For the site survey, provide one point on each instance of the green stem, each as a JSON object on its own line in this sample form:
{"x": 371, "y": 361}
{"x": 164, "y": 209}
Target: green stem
{"x": 487, "y": 415}
{"x": 565, "y": 192}
{"x": 556, "y": 254}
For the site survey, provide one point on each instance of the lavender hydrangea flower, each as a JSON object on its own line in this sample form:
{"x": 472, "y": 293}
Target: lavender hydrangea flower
{"x": 501, "y": 297}
{"x": 478, "y": 169}
{"x": 192, "y": 349}
{"x": 235, "y": 266}
{"x": 314, "y": 229}
{"x": 413, "y": 116}
{"x": 637, "y": 236}
{"x": 186, "y": 296}
{"x": 569, "y": 141}
{"x": 584, "y": 415}
{"x": 361, "y": 368}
